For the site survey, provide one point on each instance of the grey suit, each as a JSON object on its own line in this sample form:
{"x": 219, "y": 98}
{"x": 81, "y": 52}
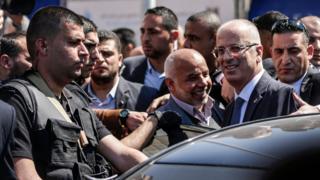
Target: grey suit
{"x": 170, "y": 135}
{"x": 132, "y": 96}
{"x": 135, "y": 69}
{"x": 186, "y": 119}
{"x": 269, "y": 98}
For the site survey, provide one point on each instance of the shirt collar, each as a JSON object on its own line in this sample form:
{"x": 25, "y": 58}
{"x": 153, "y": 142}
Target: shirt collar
{"x": 152, "y": 71}
{"x": 193, "y": 111}
{"x": 112, "y": 92}
{"x": 246, "y": 92}
{"x": 297, "y": 85}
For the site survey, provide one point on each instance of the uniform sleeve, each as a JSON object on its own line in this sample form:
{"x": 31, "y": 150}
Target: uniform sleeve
{"x": 101, "y": 129}
{"x": 22, "y": 146}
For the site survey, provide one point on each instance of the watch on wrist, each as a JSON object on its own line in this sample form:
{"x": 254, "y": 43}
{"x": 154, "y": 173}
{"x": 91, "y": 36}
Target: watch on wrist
{"x": 123, "y": 116}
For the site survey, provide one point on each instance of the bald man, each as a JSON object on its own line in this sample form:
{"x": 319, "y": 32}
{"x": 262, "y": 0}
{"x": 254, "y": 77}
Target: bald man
{"x": 312, "y": 23}
{"x": 188, "y": 80}
{"x": 257, "y": 95}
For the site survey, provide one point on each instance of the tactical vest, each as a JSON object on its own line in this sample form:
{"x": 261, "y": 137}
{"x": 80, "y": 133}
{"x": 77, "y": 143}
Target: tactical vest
{"x": 55, "y": 142}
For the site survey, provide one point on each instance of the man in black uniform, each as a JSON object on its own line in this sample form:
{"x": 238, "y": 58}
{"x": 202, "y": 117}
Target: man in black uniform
{"x": 57, "y": 135}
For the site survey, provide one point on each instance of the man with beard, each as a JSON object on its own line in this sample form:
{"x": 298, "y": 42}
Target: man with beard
{"x": 110, "y": 118}
{"x": 312, "y": 24}
{"x": 189, "y": 83}
{"x": 110, "y": 91}
{"x": 14, "y": 56}
{"x": 159, "y": 31}
{"x": 257, "y": 95}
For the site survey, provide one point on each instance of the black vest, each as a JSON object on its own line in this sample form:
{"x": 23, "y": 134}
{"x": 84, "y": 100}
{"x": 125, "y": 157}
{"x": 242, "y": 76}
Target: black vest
{"x": 55, "y": 141}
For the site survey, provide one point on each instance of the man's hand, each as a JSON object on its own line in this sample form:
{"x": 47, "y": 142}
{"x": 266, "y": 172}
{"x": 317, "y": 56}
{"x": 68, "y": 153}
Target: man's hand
{"x": 135, "y": 119}
{"x": 304, "y": 108}
{"x": 156, "y": 103}
{"x": 227, "y": 91}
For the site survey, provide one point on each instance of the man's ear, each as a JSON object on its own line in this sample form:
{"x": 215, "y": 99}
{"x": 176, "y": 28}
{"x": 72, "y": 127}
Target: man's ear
{"x": 310, "y": 50}
{"x": 6, "y": 62}
{"x": 120, "y": 59}
{"x": 259, "y": 49}
{"x": 174, "y": 35}
{"x": 41, "y": 46}
{"x": 170, "y": 84}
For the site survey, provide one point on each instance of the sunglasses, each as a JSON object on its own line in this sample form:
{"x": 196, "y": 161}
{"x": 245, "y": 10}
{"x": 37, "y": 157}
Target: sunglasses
{"x": 288, "y": 25}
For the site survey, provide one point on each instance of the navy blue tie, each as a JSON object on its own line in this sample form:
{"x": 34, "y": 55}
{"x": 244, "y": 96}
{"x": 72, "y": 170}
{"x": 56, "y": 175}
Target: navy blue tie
{"x": 236, "y": 111}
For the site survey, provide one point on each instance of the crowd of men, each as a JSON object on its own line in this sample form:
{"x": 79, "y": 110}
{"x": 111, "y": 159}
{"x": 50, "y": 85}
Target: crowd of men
{"x": 76, "y": 104}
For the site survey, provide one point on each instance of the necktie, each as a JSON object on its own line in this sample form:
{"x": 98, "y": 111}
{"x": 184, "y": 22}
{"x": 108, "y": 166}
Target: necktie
{"x": 236, "y": 111}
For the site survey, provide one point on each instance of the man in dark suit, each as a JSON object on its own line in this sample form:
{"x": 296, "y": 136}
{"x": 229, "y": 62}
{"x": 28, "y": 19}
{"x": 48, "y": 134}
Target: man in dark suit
{"x": 291, "y": 54}
{"x": 257, "y": 95}
{"x": 7, "y": 124}
{"x": 159, "y": 31}
{"x": 189, "y": 83}
{"x": 110, "y": 91}
{"x": 106, "y": 88}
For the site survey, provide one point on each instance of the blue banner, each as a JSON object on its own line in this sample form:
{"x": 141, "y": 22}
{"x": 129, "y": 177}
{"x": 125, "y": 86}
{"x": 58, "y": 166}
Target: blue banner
{"x": 294, "y": 9}
{"x": 43, "y": 3}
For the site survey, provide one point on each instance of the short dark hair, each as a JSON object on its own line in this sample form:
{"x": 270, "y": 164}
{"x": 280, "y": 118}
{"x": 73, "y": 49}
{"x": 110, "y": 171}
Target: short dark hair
{"x": 170, "y": 19}
{"x": 265, "y": 21}
{"x": 125, "y": 35}
{"x": 9, "y": 44}
{"x": 209, "y": 17}
{"x": 105, "y": 35}
{"x": 286, "y": 26}
{"x": 45, "y": 23}
{"x": 88, "y": 25}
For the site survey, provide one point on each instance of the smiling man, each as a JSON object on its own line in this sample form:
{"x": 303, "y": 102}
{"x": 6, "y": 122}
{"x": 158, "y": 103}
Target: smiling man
{"x": 257, "y": 95}
{"x": 189, "y": 83}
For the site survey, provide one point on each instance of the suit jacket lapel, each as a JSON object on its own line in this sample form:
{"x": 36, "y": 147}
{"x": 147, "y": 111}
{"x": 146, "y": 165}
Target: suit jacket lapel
{"x": 228, "y": 114}
{"x": 256, "y": 96}
{"x": 122, "y": 95}
{"x": 140, "y": 71}
{"x": 306, "y": 86}
{"x": 184, "y": 117}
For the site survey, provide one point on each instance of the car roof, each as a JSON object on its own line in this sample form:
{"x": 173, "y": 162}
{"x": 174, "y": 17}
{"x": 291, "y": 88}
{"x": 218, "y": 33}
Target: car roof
{"x": 254, "y": 145}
